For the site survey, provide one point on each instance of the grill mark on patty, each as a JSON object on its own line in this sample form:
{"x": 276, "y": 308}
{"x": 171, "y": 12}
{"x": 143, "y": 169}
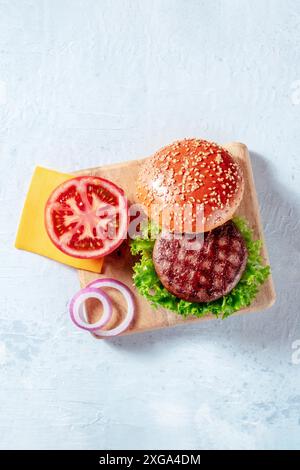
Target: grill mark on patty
{"x": 203, "y": 274}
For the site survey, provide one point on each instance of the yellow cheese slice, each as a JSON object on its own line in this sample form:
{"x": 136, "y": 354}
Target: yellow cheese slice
{"x": 32, "y": 235}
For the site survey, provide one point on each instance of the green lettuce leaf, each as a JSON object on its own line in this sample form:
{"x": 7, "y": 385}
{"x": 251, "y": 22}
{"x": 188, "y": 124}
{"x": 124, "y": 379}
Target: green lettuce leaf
{"x": 149, "y": 285}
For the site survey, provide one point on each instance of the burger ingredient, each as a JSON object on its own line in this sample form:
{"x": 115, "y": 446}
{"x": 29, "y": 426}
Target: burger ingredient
{"x": 126, "y": 292}
{"x": 32, "y": 235}
{"x": 191, "y": 176}
{"x": 87, "y": 217}
{"x": 149, "y": 285}
{"x": 94, "y": 290}
{"x": 78, "y": 313}
{"x": 201, "y": 270}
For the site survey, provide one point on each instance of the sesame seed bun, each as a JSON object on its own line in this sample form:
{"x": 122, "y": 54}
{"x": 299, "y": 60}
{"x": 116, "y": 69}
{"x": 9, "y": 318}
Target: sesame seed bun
{"x": 186, "y": 175}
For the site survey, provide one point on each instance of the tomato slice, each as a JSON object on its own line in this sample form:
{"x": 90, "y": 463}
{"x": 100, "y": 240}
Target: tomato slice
{"x": 87, "y": 217}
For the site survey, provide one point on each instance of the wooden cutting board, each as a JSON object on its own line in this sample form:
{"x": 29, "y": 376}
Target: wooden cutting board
{"x": 119, "y": 264}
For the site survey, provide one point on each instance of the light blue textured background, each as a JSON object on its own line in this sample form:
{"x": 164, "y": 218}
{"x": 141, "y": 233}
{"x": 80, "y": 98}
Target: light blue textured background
{"x": 86, "y": 82}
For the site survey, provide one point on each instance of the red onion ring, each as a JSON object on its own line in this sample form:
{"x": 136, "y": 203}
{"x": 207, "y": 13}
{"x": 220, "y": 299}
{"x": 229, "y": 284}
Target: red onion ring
{"x": 99, "y": 283}
{"x": 77, "y": 310}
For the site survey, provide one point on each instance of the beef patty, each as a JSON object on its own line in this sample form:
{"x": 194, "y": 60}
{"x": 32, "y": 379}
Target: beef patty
{"x": 201, "y": 270}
